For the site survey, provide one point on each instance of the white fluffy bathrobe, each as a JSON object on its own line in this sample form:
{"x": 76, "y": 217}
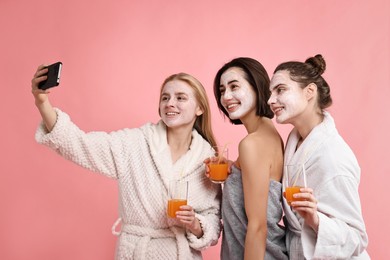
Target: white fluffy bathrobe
{"x": 334, "y": 174}
{"x": 140, "y": 160}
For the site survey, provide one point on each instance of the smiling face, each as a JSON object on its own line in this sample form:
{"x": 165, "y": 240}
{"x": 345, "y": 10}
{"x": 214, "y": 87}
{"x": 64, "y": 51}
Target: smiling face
{"x": 237, "y": 95}
{"x": 288, "y": 100}
{"x": 178, "y": 105}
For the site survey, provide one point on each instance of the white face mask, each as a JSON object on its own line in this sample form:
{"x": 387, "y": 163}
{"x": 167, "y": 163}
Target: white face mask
{"x": 287, "y": 99}
{"x": 178, "y": 105}
{"x": 237, "y": 95}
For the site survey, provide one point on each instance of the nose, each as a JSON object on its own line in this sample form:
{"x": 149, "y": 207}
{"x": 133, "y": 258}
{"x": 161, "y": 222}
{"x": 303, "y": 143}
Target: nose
{"x": 227, "y": 95}
{"x": 170, "y": 102}
{"x": 272, "y": 99}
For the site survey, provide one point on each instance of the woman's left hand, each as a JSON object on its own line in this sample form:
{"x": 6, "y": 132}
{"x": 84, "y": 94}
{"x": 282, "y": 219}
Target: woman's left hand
{"x": 307, "y": 208}
{"x": 186, "y": 216}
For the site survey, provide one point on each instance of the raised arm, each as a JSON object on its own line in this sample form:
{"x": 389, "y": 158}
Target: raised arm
{"x": 48, "y": 114}
{"x": 90, "y": 150}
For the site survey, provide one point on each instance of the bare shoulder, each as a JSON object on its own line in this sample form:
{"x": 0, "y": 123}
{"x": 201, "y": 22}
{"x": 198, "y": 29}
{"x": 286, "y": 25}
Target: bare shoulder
{"x": 265, "y": 139}
{"x": 263, "y": 150}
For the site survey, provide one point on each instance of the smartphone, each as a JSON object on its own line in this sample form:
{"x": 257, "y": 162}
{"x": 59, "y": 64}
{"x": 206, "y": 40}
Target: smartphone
{"x": 53, "y": 76}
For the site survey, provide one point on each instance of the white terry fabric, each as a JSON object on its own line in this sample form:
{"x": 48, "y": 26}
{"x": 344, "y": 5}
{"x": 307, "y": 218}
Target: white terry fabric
{"x": 334, "y": 175}
{"x": 140, "y": 160}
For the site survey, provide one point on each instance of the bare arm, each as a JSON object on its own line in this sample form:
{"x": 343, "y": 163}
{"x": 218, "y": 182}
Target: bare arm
{"x": 255, "y": 165}
{"x": 48, "y": 114}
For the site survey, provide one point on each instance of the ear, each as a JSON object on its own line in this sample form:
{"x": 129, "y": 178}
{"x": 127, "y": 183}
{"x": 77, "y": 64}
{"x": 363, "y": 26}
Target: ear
{"x": 199, "y": 111}
{"x": 311, "y": 91}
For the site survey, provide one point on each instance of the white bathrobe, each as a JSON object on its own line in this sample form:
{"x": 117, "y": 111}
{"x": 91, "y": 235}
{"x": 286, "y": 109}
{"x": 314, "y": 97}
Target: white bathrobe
{"x": 334, "y": 174}
{"x": 140, "y": 160}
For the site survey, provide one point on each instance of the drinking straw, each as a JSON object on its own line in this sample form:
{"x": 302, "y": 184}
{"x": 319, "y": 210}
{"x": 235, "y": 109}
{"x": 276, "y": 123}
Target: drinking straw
{"x": 187, "y": 190}
{"x": 220, "y": 153}
{"x": 304, "y": 175}
{"x": 180, "y": 181}
{"x": 295, "y": 179}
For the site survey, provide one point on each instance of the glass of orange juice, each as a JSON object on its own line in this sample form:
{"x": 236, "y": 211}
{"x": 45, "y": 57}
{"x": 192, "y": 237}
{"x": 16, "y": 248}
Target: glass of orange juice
{"x": 177, "y": 196}
{"x": 295, "y": 180}
{"x": 218, "y": 165}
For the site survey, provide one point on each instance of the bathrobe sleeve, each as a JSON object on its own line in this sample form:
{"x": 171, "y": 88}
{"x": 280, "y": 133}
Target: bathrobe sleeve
{"x": 211, "y": 225}
{"x": 341, "y": 231}
{"x": 89, "y": 150}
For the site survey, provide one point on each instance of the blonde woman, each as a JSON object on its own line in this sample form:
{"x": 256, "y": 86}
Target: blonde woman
{"x": 143, "y": 160}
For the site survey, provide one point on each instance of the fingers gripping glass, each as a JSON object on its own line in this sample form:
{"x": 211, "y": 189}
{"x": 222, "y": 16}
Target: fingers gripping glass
{"x": 296, "y": 179}
{"x": 218, "y": 165}
{"x": 177, "y": 196}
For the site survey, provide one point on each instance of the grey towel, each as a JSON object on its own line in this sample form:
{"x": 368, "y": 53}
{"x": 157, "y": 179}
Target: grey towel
{"x": 235, "y": 220}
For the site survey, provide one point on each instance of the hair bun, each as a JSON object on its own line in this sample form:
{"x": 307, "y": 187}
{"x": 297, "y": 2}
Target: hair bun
{"x": 318, "y": 64}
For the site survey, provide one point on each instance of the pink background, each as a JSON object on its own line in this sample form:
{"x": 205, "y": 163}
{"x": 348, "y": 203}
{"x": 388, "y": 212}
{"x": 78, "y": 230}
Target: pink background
{"x": 117, "y": 53}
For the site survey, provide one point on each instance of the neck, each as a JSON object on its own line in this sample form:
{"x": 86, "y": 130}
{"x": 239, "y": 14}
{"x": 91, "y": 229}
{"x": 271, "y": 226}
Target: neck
{"x": 306, "y": 125}
{"x": 179, "y": 142}
{"x": 253, "y": 122}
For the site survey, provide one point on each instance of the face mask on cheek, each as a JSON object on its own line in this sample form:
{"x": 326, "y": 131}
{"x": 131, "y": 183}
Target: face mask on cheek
{"x": 247, "y": 101}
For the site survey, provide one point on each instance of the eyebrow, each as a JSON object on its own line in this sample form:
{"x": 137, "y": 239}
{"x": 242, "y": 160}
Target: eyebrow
{"x": 230, "y": 82}
{"x": 176, "y": 93}
{"x": 276, "y": 86}
{"x": 181, "y": 93}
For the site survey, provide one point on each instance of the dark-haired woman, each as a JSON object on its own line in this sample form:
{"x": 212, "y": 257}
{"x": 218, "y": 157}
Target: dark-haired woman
{"x": 251, "y": 202}
{"x": 328, "y": 223}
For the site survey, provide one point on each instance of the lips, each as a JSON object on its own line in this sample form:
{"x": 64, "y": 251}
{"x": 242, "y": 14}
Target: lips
{"x": 232, "y": 107}
{"x": 171, "y": 114}
{"x": 277, "y": 110}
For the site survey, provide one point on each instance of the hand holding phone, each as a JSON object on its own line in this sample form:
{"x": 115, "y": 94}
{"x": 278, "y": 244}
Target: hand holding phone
{"x": 53, "y": 76}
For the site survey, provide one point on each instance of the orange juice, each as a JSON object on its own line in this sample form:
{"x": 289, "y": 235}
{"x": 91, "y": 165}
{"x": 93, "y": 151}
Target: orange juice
{"x": 290, "y": 191}
{"x": 174, "y": 205}
{"x": 218, "y": 172}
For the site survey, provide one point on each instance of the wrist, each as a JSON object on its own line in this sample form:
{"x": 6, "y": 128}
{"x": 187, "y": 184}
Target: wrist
{"x": 196, "y": 228}
{"x": 316, "y": 223}
{"x": 40, "y": 104}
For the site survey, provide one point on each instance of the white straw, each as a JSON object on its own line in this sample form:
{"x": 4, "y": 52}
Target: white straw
{"x": 297, "y": 175}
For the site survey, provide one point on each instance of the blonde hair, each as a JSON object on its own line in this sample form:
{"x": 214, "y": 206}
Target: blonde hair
{"x": 202, "y": 122}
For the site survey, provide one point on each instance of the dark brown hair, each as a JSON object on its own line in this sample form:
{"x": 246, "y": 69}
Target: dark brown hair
{"x": 257, "y": 77}
{"x": 308, "y": 72}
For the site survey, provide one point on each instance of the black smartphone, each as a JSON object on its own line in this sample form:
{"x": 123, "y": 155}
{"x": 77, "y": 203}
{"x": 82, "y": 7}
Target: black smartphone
{"x": 53, "y": 76}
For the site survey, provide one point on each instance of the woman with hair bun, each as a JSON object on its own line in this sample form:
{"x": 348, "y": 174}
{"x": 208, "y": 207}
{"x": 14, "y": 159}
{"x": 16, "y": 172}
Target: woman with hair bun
{"x": 327, "y": 223}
